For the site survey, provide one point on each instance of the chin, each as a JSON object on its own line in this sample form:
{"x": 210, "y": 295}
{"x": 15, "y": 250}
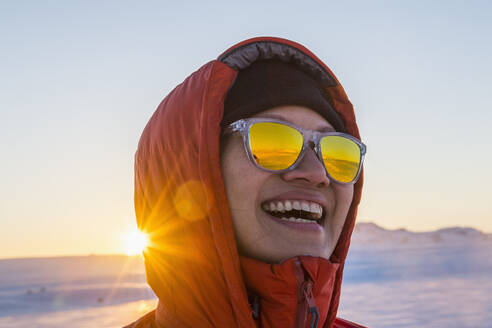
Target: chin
{"x": 302, "y": 251}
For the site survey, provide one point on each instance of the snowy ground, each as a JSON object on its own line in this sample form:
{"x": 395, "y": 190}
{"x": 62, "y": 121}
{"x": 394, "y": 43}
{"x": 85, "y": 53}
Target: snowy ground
{"x": 91, "y": 317}
{"x": 428, "y": 286}
{"x": 390, "y": 284}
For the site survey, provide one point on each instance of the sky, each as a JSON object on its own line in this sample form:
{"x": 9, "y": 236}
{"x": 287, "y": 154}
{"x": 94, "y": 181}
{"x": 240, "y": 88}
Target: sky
{"x": 80, "y": 79}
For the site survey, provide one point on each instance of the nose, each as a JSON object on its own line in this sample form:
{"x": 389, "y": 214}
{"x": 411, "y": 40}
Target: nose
{"x": 310, "y": 170}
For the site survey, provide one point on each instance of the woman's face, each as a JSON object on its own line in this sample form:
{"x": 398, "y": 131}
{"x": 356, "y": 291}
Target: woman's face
{"x": 251, "y": 191}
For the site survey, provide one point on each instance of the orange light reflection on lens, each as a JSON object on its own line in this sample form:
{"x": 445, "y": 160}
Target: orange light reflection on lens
{"x": 275, "y": 146}
{"x": 341, "y": 157}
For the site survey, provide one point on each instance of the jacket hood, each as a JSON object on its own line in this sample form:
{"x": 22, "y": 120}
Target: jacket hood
{"x": 192, "y": 262}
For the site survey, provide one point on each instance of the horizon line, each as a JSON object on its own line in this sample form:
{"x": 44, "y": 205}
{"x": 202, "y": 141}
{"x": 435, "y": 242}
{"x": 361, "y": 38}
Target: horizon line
{"x": 61, "y": 255}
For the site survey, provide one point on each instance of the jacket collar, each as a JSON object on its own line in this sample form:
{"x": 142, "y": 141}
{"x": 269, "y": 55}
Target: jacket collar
{"x": 295, "y": 293}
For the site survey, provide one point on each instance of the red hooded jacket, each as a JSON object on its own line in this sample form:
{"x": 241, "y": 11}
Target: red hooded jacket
{"x": 192, "y": 263}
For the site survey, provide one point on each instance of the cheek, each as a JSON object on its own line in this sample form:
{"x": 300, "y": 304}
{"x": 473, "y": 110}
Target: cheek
{"x": 238, "y": 176}
{"x": 343, "y": 200}
{"x": 344, "y": 194}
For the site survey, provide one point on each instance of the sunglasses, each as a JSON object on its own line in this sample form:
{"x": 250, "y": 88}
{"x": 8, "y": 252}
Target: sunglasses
{"x": 277, "y": 146}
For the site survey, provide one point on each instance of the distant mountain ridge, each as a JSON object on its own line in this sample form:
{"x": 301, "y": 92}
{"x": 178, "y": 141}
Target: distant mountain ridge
{"x": 371, "y": 233}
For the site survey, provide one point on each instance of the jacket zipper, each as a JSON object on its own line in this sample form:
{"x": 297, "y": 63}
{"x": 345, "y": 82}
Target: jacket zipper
{"x": 306, "y": 304}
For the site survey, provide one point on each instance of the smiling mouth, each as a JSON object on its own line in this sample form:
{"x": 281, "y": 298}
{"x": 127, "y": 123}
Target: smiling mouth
{"x": 300, "y": 211}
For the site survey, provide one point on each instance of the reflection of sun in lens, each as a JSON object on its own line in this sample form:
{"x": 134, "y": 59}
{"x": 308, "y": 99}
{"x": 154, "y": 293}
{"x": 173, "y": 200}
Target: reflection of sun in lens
{"x": 136, "y": 241}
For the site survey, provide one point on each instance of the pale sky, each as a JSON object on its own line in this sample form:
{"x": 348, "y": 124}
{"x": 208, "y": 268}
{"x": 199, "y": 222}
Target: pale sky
{"x": 80, "y": 79}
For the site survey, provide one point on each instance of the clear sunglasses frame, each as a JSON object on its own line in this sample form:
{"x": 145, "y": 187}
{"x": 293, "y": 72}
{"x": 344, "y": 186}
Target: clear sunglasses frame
{"x": 309, "y": 137}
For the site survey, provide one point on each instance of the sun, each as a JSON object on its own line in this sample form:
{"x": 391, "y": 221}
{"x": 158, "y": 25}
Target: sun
{"x": 136, "y": 241}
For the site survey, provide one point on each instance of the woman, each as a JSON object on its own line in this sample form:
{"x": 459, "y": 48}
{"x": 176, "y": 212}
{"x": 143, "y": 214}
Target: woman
{"x": 247, "y": 180}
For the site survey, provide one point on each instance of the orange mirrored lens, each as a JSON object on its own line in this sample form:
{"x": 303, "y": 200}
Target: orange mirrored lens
{"x": 341, "y": 157}
{"x": 274, "y": 146}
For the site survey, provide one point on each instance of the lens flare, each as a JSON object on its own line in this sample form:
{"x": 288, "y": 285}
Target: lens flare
{"x": 193, "y": 200}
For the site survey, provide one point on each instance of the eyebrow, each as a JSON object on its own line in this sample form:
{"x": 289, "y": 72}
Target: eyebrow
{"x": 280, "y": 117}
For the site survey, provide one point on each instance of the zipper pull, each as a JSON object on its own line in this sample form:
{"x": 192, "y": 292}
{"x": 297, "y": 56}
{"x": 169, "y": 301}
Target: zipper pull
{"x": 256, "y": 307}
{"x": 307, "y": 304}
{"x": 312, "y": 309}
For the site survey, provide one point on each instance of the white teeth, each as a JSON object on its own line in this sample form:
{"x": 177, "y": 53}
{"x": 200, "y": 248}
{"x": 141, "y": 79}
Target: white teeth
{"x": 316, "y": 208}
{"x": 313, "y": 208}
{"x": 293, "y": 219}
{"x": 289, "y": 205}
